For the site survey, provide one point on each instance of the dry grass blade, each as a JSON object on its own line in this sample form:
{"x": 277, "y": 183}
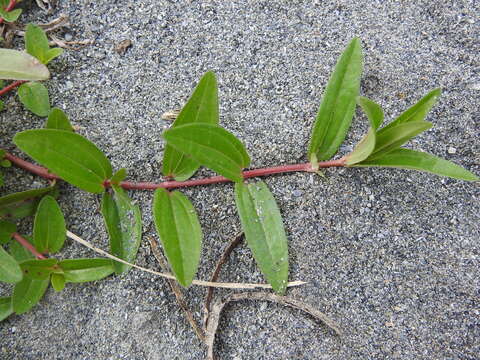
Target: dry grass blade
{"x": 46, "y": 5}
{"x": 217, "y": 308}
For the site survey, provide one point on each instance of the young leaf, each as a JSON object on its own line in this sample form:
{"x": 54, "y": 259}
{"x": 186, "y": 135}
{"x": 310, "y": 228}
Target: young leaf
{"x": 202, "y": 107}
{"x": 6, "y": 308}
{"x": 36, "y": 42}
{"x": 18, "y": 65}
{"x": 58, "y": 281}
{"x": 10, "y": 271}
{"x": 211, "y": 146}
{"x": 6, "y": 230}
{"x": 52, "y": 54}
{"x": 83, "y": 270}
{"x": 10, "y": 16}
{"x": 69, "y": 155}
{"x": 124, "y": 225}
{"x": 338, "y": 104}
{"x": 38, "y": 269}
{"x": 35, "y": 98}
{"x": 22, "y": 204}
{"x": 417, "y": 112}
{"x": 49, "y": 231}
{"x": 177, "y": 225}
{"x": 119, "y": 176}
{"x": 264, "y": 232}
{"x": 366, "y": 146}
{"x": 417, "y": 160}
{"x": 27, "y": 293}
{"x": 58, "y": 120}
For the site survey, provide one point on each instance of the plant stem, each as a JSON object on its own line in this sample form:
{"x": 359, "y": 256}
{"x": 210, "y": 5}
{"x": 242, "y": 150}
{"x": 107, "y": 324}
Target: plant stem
{"x": 27, "y": 245}
{"x": 11, "y": 86}
{"x": 128, "y": 185}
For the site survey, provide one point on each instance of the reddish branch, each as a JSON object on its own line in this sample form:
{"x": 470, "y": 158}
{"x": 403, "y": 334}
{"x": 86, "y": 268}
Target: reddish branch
{"x": 34, "y": 169}
{"x": 27, "y": 245}
{"x": 10, "y": 7}
{"x": 11, "y": 86}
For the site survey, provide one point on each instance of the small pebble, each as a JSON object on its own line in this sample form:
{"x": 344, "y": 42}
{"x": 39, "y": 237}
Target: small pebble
{"x": 297, "y": 193}
{"x": 68, "y": 37}
{"x": 452, "y": 150}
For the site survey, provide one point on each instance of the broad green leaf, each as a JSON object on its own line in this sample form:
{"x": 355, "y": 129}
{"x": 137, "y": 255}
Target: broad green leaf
{"x": 177, "y": 225}
{"x": 58, "y": 281}
{"x": 22, "y": 204}
{"x": 338, "y": 104}
{"x": 18, "y": 252}
{"x": 69, "y": 155}
{"x": 10, "y": 16}
{"x": 35, "y": 98}
{"x": 49, "y": 231}
{"x": 366, "y": 146}
{"x": 262, "y": 223}
{"x": 36, "y": 42}
{"x": 83, "y": 270}
{"x": 119, "y": 176}
{"x": 417, "y": 112}
{"x": 211, "y": 146}
{"x": 10, "y": 271}
{"x": 6, "y": 230}
{"x": 396, "y": 136}
{"x": 18, "y": 65}
{"x": 39, "y": 269}
{"x": 417, "y": 160}
{"x": 57, "y": 119}
{"x": 124, "y": 224}
{"x": 6, "y": 308}
{"x": 202, "y": 107}
{"x": 27, "y": 293}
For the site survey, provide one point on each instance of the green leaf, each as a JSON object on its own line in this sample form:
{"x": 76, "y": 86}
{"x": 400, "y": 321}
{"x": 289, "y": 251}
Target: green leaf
{"x": 396, "y": 136}
{"x": 52, "y": 54}
{"x": 5, "y": 163}
{"x": 18, "y": 252}
{"x": 39, "y": 269}
{"x": 58, "y": 282}
{"x": 6, "y": 308}
{"x": 18, "y": 65}
{"x": 36, "y": 42}
{"x": 10, "y": 16}
{"x": 202, "y": 107}
{"x": 27, "y": 293}
{"x": 119, "y": 176}
{"x": 177, "y": 225}
{"x": 262, "y": 223}
{"x": 83, "y": 270}
{"x": 49, "y": 231}
{"x": 417, "y": 112}
{"x": 22, "y": 204}
{"x": 58, "y": 120}
{"x": 417, "y": 160}
{"x": 211, "y": 146}
{"x": 10, "y": 271}
{"x": 124, "y": 224}
{"x": 6, "y": 231}
{"x": 69, "y": 155}
{"x": 338, "y": 104}
{"x": 366, "y": 146}
{"x": 1, "y": 179}
{"x": 2, "y": 104}
{"x": 35, "y": 98}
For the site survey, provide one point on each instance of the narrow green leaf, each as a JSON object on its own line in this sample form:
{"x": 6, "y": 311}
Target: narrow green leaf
{"x": 10, "y": 16}
{"x": 10, "y": 271}
{"x": 36, "y": 42}
{"x": 57, "y": 119}
{"x": 211, "y": 146}
{"x": 417, "y": 112}
{"x": 38, "y": 269}
{"x": 58, "y": 282}
{"x": 177, "y": 225}
{"x": 22, "y": 204}
{"x": 83, "y": 270}
{"x": 52, "y": 54}
{"x": 124, "y": 224}
{"x": 49, "y": 231}
{"x": 373, "y": 111}
{"x": 6, "y": 230}
{"x": 6, "y": 308}
{"x": 18, "y": 65}
{"x": 27, "y": 293}
{"x": 417, "y": 160}
{"x": 69, "y": 155}
{"x": 262, "y": 223}
{"x": 35, "y": 98}
{"x": 338, "y": 104}
{"x": 119, "y": 176}
{"x": 202, "y": 107}
{"x": 396, "y": 136}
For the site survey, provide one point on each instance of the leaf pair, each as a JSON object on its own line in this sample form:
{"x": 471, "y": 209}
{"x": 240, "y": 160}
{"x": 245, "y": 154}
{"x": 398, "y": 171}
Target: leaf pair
{"x": 36, "y": 44}
{"x": 8, "y": 16}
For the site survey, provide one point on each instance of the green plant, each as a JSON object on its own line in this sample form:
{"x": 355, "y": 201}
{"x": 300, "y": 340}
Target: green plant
{"x": 195, "y": 139}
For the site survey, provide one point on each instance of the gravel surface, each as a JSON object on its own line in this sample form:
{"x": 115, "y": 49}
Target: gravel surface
{"x": 392, "y": 256}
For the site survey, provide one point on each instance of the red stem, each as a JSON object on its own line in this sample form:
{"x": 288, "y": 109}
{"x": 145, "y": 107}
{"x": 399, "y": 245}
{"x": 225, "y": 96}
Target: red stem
{"x": 27, "y": 245}
{"x": 10, "y": 7}
{"x": 41, "y": 171}
{"x": 12, "y": 85}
